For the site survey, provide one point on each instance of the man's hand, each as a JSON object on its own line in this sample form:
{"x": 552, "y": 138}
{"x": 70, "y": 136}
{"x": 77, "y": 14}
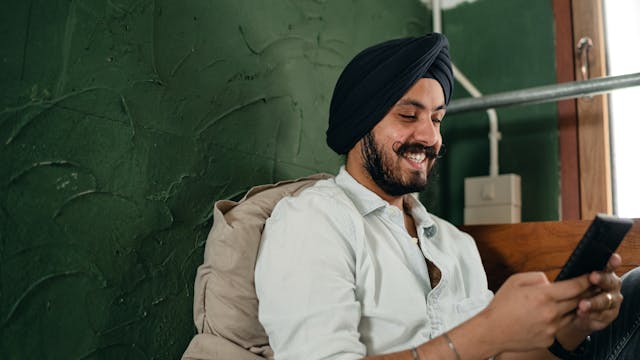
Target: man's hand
{"x": 599, "y": 306}
{"x": 528, "y": 310}
{"x": 598, "y": 311}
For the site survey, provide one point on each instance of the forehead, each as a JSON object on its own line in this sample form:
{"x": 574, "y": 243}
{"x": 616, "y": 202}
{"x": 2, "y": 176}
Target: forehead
{"x": 425, "y": 93}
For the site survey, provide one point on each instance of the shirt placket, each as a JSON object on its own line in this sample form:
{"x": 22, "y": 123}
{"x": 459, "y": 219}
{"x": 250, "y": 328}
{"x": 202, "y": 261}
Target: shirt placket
{"x": 434, "y": 310}
{"x": 395, "y": 216}
{"x": 434, "y": 313}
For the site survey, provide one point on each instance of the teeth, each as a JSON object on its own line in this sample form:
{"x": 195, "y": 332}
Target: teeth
{"x": 419, "y": 157}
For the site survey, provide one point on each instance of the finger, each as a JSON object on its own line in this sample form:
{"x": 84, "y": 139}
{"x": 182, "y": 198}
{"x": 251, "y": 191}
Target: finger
{"x": 530, "y": 278}
{"x": 606, "y": 316}
{"x": 607, "y": 281}
{"x": 614, "y": 262}
{"x": 567, "y": 306}
{"x": 590, "y": 292}
{"x": 598, "y": 321}
{"x": 566, "y": 319}
{"x": 600, "y": 303}
{"x": 571, "y": 288}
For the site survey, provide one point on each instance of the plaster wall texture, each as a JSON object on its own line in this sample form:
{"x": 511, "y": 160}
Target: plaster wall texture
{"x": 121, "y": 122}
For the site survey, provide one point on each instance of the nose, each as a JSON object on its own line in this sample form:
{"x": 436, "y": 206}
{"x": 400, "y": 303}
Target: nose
{"x": 427, "y": 132}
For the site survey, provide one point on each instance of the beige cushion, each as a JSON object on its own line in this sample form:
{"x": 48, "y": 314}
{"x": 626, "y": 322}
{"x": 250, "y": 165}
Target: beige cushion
{"x": 209, "y": 346}
{"x": 225, "y": 302}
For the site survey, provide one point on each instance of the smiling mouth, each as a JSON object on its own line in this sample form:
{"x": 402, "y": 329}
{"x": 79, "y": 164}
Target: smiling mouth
{"x": 415, "y": 158}
{"x": 415, "y": 153}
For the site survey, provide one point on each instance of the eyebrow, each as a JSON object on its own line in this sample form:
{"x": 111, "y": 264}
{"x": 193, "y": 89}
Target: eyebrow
{"x": 419, "y": 105}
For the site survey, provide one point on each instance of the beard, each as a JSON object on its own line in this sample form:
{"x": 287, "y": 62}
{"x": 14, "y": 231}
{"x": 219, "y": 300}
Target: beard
{"x": 386, "y": 172}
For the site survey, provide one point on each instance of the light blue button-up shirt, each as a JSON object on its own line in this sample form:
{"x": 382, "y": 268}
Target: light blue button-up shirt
{"x": 339, "y": 277}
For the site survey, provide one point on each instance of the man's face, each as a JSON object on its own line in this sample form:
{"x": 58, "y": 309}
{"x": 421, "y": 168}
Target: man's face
{"x": 402, "y": 148}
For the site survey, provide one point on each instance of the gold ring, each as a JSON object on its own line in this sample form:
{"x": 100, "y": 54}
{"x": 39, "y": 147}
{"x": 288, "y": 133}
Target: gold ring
{"x": 610, "y": 299}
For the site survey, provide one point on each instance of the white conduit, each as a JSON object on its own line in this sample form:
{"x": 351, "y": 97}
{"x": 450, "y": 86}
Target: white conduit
{"x": 437, "y": 16}
{"x": 494, "y": 134}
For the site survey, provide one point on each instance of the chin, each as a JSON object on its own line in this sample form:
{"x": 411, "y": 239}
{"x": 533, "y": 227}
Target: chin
{"x": 416, "y": 183}
{"x": 417, "y": 177}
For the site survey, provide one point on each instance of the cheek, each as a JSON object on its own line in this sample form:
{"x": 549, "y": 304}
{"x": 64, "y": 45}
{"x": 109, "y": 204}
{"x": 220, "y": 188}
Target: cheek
{"x": 397, "y": 137}
{"x": 389, "y": 139}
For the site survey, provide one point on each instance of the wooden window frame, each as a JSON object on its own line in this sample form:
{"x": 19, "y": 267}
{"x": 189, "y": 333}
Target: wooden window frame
{"x": 583, "y": 124}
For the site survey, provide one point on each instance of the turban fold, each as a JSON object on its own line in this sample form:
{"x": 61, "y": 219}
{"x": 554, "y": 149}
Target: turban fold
{"x": 377, "y": 78}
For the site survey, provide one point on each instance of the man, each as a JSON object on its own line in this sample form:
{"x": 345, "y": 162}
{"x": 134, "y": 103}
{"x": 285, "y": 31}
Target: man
{"x": 355, "y": 266}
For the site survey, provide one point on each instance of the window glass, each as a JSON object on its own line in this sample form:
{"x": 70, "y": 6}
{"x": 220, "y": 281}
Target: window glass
{"x": 622, "y": 28}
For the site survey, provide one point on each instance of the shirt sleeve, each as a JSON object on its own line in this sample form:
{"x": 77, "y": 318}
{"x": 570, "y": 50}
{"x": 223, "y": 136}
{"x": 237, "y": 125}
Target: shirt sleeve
{"x": 305, "y": 280}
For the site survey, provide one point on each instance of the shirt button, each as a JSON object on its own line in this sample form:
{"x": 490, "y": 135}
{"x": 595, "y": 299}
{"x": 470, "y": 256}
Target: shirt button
{"x": 430, "y": 231}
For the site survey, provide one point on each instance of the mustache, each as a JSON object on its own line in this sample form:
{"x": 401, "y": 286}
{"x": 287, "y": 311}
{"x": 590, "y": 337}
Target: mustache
{"x": 414, "y": 147}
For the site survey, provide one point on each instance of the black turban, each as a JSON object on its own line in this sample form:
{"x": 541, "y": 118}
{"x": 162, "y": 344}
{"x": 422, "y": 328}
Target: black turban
{"x": 377, "y": 78}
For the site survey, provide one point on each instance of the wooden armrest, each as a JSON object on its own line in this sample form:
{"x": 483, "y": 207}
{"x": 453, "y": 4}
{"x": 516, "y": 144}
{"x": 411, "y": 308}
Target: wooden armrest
{"x": 539, "y": 246}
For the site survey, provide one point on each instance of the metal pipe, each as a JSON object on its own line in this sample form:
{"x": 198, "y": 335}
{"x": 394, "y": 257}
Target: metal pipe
{"x": 543, "y": 94}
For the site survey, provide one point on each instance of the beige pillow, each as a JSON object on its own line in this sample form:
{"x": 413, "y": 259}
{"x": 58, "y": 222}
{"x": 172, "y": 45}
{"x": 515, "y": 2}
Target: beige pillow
{"x": 225, "y": 302}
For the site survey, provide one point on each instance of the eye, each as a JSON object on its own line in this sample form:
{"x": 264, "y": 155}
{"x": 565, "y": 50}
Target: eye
{"x": 437, "y": 117}
{"x": 408, "y": 116}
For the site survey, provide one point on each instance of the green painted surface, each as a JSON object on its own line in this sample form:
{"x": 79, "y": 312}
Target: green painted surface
{"x": 121, "y": 122}
{"x": 502, "y": 45}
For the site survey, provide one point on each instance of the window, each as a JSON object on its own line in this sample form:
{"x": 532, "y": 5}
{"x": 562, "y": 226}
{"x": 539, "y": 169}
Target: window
{"x": 622, "y": 24}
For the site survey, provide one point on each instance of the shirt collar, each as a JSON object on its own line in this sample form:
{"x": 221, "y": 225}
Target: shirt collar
{"x": 366, "y": 201}
{"x": 420, "y": 214}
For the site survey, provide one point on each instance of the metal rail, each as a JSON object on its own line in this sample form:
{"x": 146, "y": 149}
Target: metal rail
{"x": 543, "y": 94}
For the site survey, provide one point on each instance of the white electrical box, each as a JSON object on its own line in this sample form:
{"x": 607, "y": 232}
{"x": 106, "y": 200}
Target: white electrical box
{"x": 492, "y": 200}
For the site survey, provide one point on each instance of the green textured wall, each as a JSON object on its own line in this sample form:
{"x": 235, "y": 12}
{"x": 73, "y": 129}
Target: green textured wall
{"x": 121, "y": 122}
{"x": 502, "y": 45}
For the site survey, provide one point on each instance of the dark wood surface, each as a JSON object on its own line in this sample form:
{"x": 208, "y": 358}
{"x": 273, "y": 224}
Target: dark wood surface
{"x": 539, "y": 246}
{"x": 567, "y": 112}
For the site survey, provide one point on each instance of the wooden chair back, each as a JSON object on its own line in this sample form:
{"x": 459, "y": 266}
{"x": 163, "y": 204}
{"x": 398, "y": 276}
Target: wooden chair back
{"x": 539, "y": 246}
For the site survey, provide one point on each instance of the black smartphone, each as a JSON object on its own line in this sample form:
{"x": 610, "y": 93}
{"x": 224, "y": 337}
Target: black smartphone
{"x": 596, "y": 247}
